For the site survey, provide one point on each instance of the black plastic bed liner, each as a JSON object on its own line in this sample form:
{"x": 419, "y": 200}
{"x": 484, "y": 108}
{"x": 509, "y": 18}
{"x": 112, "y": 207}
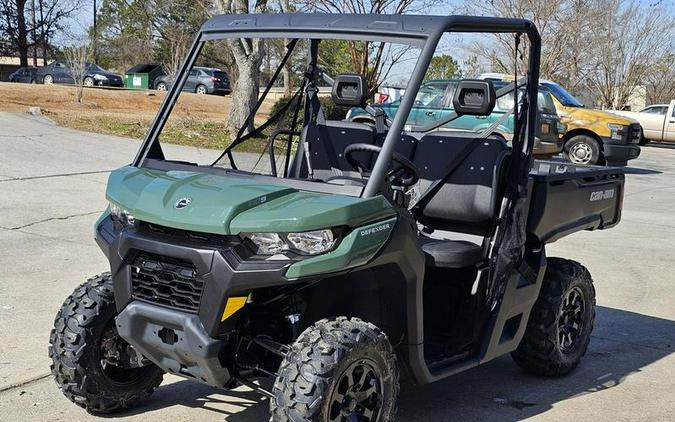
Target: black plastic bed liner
{"x": 566, "y": 198}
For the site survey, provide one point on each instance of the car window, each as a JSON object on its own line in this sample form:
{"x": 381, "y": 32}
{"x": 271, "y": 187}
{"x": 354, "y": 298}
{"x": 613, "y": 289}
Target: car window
{"x": 194, "y": 72}
{"x": 655, "y": 110}
{"x": 220, "y": 75}
{"x": 431, "y": 95}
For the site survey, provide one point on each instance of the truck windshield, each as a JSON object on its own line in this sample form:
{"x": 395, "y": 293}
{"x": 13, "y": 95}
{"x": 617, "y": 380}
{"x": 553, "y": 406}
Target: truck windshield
{"x": 561, "y": 95}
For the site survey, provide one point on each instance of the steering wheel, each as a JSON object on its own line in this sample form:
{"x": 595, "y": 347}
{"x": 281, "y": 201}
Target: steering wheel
{"x": 405, "y": 174}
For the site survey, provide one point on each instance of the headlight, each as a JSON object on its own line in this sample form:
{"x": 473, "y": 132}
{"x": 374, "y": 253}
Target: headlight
{"x": 268, "y": 243}
{"x": 307, "y": 243}
{"x": 617, "y": 131}
{"x": 122, "y": 215}
{"x": 562, "y": 128}
{"x": 312, "y": 243}
{"x": 100, "y": 77}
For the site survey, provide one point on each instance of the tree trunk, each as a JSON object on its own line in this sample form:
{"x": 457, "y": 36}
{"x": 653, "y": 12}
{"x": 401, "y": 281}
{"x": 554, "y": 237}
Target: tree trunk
{"x": 245, "y": 93}
{"x": 22, "y": 32}
{"x": 286, "y": 71}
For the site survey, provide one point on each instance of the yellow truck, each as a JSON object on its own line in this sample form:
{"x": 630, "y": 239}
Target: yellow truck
{"x": 592, "y": 136}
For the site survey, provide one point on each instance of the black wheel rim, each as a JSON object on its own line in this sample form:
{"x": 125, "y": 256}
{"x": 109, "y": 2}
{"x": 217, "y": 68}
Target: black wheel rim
{"x": 357, "y": 395}
{"x": 571, "y": 321}
{"x": 121, "y": 373}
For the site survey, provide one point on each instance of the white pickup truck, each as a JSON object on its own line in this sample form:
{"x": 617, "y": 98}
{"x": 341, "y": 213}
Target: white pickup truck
{"x": 657, "y": 121}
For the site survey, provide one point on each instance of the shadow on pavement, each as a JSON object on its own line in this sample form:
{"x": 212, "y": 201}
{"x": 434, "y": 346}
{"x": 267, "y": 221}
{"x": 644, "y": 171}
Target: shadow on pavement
{"x": 623, "y": 343}
{"x": 665, "y": 145}
{"x": 639, "y": 170}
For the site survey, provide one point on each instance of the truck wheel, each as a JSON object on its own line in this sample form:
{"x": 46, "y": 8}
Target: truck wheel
{"x": 341, "y": 369}
{"x": 561, "y": 322}
{"x": 91, "y": 364}
{"x": 583, "y": 149}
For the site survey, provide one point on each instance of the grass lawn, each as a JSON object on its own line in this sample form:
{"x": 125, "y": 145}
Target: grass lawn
{"x": 196, "y": 120}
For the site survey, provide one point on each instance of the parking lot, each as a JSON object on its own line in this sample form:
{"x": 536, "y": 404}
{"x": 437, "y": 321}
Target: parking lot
{"x": 52, "y": 183}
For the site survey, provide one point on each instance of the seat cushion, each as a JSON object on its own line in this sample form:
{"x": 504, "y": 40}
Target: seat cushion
{"x": 443, "y": 253}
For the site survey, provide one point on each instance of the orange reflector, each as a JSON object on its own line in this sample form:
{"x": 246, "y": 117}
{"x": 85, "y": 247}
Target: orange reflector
{"x": 233, "y": 305}
{"x": 545, "y": 128}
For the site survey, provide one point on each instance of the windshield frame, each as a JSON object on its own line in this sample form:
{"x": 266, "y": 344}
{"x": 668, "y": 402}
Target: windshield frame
{"x": 426, "y": 35}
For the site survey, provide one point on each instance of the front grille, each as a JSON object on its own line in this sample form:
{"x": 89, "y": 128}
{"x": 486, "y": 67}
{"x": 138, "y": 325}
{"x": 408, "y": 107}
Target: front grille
{"x": 634, "y": 133}
{"x": 167, "y": 282}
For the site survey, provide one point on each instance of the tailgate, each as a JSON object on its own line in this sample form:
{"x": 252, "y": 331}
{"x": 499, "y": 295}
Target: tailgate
{"x": 566, "y": 198}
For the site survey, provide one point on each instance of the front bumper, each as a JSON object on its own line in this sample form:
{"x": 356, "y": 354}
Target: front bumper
{"x": 174, "y": 341}
{"x": 181, "y": 341}
{"x": 221, "y": 91}
{"x": 617, "y": 153}
{"x": 548, "y": 146}
{"x": 111, "y": 83}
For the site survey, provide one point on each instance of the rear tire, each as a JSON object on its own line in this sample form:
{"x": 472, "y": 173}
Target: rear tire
{"x": 161, "y": 86}
{"x": 48, "y": 80}
{"x": 583, "y": 149}
{"x": 337, "y": 370}
{"x": 82, "y": 329}
{"x": 561, "y": 322}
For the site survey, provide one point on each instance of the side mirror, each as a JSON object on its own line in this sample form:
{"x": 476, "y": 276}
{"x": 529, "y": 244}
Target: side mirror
{"x": 350, "y": 90}
{"x": 474, "y": 98}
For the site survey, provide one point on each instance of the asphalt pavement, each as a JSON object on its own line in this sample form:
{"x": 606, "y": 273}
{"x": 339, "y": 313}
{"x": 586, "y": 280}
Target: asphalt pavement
{"x": 52, "y": 184}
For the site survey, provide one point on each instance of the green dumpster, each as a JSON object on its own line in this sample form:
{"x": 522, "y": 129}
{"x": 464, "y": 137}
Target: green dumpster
{"x": 142, "y": 76}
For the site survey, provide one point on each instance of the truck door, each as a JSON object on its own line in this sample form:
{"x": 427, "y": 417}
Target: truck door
{"x": 669, "y": 126}
{"x": 429, "y": 104}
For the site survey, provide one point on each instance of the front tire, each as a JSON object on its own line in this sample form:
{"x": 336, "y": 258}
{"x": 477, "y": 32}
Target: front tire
{"x": 88, "y": 81}
{"x": 583, "y": 149}
{"x": 83, "y": 342}
{"x": 201, "y": 90}
{"x": 161, "y": 86}
{"x": 561, "y": 322}
{"x": 48, "y": 80}
{"x": 341, "y": 369}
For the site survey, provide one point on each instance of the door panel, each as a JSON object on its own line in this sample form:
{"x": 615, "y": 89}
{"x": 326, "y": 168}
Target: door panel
{"x": 669, "y": 132}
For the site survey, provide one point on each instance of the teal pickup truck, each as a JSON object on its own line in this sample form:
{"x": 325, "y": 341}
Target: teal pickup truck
{"x": 434, "y": 103}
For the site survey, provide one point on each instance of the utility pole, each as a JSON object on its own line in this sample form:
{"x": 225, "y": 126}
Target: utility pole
{"x": 95, "y": 36}
{"x": 35, "y": 41}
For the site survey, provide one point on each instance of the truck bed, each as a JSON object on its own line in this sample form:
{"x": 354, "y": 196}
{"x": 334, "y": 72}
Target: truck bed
{"x": 566, "y": 198}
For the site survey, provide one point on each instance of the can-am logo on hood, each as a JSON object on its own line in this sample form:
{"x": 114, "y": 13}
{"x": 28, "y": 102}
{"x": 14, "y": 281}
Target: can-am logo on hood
{"x": 182, "y": 203}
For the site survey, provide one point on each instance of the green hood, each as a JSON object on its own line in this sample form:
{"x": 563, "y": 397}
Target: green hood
{"x": 228, "y": 204}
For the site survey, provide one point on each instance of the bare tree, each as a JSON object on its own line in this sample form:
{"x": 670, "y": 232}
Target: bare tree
{"x": 77, "y": 56}
{"x": 626, "y": 45}
{"x": 248, "y": 55}
{"x": 660, "y": 82}
{"x": 605, "y": 47}
{"x": 374, "y": 60}
{"x": 24, "y": 34}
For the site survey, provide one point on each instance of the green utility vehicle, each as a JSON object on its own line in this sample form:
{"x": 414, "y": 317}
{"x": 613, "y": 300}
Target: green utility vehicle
{"x": 364, "y": 252}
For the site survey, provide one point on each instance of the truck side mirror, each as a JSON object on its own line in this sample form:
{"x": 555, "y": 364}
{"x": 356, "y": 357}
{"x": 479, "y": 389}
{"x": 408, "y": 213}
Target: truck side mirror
{"x": 474, "y": 98}
{"x": 350, "y": 90}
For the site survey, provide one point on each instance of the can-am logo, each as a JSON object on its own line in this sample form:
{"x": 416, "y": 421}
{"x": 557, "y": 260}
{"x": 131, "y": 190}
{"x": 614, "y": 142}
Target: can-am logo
{"x": 182, "y": 203}
{"x": 373, "y": 230}
{"x": 602, "y": 194}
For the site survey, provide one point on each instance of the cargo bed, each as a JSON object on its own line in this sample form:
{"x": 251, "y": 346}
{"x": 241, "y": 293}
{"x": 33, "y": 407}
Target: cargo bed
{"x": 566, "y": 198}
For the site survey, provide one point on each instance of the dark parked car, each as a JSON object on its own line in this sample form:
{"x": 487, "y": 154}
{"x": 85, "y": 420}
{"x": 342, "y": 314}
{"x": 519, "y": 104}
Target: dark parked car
{"x": 202, "y": 80}
{"x": 59, "y": 73}
{"x": 24, "y": 74}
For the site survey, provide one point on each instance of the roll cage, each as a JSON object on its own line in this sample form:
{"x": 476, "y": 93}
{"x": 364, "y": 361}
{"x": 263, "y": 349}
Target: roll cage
{"x": 419, "y": 31}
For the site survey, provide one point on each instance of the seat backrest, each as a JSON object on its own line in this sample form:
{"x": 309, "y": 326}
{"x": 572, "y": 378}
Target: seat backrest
{"x": 468, "y": 202}
{"x": 326, "y": 143}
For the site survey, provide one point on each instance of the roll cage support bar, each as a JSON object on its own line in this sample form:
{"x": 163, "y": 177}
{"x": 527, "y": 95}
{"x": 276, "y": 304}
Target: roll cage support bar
{"x": 461, "y": 24}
